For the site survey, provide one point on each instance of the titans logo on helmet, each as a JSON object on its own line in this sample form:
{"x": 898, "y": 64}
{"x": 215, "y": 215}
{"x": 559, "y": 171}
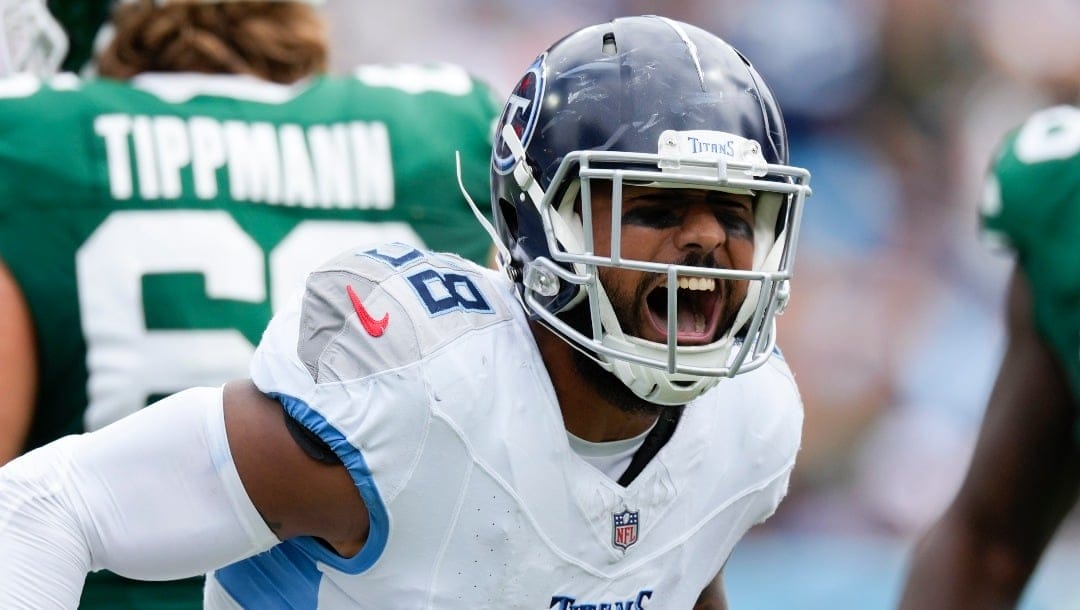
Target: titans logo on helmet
{"x": 520, "y": 112}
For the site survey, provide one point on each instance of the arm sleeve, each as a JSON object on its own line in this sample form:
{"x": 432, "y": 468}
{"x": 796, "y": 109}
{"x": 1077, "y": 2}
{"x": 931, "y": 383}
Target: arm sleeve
{"x": 154, "y": 496}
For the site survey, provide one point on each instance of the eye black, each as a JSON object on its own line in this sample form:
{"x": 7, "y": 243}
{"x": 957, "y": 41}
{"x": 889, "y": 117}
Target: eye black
{"x": 656, "y": 216}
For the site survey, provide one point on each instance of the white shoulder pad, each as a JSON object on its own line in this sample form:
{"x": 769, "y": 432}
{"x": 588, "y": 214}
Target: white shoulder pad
{"x": 754, "y": 421}
{"x": 377, "y": 309}
{"x": 773, "y": 410}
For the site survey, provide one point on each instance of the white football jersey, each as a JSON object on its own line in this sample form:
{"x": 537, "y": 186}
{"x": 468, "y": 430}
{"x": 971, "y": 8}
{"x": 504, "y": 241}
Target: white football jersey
{"x": 420, "y": 371}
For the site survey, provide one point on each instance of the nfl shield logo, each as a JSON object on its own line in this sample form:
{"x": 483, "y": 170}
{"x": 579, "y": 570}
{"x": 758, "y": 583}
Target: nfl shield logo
{"x": 625, "y": 530}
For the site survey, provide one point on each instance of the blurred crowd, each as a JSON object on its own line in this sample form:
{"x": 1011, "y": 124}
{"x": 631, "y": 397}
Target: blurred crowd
{"x": 895, "y": 325}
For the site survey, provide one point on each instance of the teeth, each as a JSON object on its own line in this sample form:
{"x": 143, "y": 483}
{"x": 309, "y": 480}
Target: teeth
{"x": 696, "y": 283}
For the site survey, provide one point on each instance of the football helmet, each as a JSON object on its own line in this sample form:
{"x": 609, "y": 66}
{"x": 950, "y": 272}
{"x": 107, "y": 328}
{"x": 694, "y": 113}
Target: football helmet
{"x": 31, "y": 40}
{"x": 644, "y": 101}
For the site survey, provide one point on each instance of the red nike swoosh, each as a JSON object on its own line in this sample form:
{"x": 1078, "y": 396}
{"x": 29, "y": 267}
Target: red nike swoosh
{"x": 373, "y": 327}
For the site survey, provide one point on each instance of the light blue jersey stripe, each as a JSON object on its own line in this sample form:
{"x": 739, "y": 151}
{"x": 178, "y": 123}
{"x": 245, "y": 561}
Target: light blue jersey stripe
{"x": 283, "y": 578}
{"x": 287, "y": 576}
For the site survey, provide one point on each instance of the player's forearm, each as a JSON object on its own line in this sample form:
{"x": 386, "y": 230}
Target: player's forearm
{"x": 950, "y": 571}
{"x": 154, "y": 496}
{"x": 18, "y": 376}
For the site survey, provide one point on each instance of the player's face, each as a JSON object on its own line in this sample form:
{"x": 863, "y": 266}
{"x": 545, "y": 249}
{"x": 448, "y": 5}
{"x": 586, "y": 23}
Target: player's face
{"x": 682, "y": 226}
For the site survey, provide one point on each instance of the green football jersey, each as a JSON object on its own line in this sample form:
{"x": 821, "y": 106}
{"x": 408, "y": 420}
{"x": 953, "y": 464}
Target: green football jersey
{"x": 1032, "y": 205}
{"x": 154, "y": 226}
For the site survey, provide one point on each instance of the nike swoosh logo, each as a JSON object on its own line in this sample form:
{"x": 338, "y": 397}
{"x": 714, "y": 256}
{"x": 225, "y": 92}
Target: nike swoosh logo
{"x": 373, "y": 327}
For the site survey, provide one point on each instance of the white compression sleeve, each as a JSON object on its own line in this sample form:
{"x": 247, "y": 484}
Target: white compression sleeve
{"x": 154, "y": 496}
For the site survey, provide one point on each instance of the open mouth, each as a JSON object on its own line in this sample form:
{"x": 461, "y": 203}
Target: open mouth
{"x": 698, "y": 314}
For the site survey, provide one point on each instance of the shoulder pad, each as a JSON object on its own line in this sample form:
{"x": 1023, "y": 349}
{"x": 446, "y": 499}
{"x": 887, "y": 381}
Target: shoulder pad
{"x": 377, "y": 309}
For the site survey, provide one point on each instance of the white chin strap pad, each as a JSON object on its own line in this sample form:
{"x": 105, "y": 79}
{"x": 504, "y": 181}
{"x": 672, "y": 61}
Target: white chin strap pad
{"x": 768, "y": 250}
{"x": 650, "y": 383}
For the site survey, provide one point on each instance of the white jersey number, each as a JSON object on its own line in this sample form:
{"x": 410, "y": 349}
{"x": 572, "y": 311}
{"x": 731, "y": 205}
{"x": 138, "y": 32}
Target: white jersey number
{"x": 128, "y": 363}
{"x": 1050, "y": 135}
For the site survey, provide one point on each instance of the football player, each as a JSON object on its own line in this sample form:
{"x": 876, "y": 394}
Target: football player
{"x": 422, "y": 431}
{"x": 1025, "y": 472}
{"x": 152, "y": 219}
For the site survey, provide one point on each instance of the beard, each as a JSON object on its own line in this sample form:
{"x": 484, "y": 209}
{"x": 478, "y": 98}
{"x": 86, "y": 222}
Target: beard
{"x": 631, "y": 317}
{"x": 605, "y": 383}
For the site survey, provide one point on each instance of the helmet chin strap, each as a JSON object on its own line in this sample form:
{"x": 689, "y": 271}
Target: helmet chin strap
{"x": 651, "y": 383}
{"x": 522, "y": 176}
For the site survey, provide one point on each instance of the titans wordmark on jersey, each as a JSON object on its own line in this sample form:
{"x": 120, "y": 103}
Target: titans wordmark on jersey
{"x": 419, "y": 370}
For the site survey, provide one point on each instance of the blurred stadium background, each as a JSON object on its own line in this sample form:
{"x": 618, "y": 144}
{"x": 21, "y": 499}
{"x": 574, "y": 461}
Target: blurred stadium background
{"x": 894, "y": 331}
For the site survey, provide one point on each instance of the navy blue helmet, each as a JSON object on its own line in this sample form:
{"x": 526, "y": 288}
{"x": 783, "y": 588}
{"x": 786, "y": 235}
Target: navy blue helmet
{"x": 648, "y": 101}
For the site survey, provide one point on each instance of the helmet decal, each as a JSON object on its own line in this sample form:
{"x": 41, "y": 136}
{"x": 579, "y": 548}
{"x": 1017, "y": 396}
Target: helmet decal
{"x": 521, "y": 110}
